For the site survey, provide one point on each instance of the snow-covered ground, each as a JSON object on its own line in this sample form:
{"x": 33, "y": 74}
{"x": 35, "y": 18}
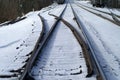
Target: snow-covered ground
{"x": 18, "y": 40}
{"x": 104, "y": 12}
{"x": 105, "y": 9}
{"x": 62, "y": 58}
{"x": 105, "y": 38}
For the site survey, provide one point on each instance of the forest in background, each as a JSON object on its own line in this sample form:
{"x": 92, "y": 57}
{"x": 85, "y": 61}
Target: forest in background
{"x": 11, "y": 9}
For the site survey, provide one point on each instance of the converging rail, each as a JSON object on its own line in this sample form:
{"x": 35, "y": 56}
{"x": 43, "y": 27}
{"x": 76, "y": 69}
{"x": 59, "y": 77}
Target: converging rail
{"x": 65, "y": 50}
{"x": 82, "y": 43}
{"x": 56, "y": 57}
{"x": 26, "y": 75}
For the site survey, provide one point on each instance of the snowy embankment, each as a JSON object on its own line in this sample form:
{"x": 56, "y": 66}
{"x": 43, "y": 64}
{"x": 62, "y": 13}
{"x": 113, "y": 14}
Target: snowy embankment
{"x": 17, "y": 41}
{"x": 105, "y": 38}
{"x": 105, "y": 12}
{"x": 105, "y": 9}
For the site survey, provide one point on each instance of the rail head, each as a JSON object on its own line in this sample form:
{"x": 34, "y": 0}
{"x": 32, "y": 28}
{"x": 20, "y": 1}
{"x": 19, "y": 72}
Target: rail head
{"x": 30, "y": 62}
{"x": 114, "y": 16}
{"x": 114, "y": 20}
{"x": 26, "y": 75}
{"x": 82, "y": 26}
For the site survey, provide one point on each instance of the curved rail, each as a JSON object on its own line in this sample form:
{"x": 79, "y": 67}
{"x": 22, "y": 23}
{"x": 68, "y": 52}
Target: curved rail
{"x": 93, "y": 56}
{"x": 82, "y": 43}
{"x": 26, "y": 75}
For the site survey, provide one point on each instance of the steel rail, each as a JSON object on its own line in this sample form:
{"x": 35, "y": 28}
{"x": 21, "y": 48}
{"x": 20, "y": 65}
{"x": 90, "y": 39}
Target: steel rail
{"x": 26, "y": 75}
{"x": 93, "y": 56}
{"x": 113, "y": 21}
{"x": 100, "y": 10}
{"x": 28, "y": 65}
{"x": 114, "y": 16}
{"x": 82, "y": 43}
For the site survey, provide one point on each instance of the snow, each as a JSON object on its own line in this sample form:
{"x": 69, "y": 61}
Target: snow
{"x": 18, "y": 40}
{"x": 61, "y": 58}
{"x": 70, "y": 17}
{"x": 55, "y": 63}
{"x": 105, "y": 39}
{"x": 105, "y": 12}
{"x": 105, "y": 9}
{"x": 50, "y": 19}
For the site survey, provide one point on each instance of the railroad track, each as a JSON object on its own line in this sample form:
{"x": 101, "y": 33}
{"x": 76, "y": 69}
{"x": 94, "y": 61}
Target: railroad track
{"x": 42, "y": 65}
{"x": 53, "y": 59}
{"x": 109, "y": 13}
{"x": 99, "y": 13}
{"x": 31, "y": 61}
{"x": 81, "y": 42}
{"x": 38, "y": 67}
{"x": 98, "y": 68}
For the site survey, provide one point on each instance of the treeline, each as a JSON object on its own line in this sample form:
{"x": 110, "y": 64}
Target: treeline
{"x": 113, "y": 3}
{"x": 108, "y": 3}
{"x": 11, "y": 9}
